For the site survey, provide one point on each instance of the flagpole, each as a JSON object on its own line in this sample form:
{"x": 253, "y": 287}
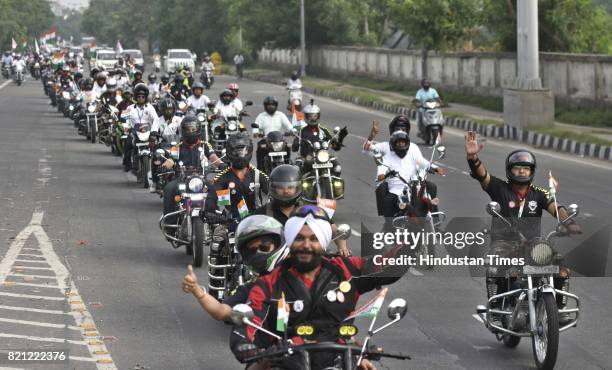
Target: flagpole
{"x": 551, "y": 185}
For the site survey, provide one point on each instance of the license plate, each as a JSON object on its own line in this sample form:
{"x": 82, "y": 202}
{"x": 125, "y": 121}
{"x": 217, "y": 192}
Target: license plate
{"x": 195, "y": 212}
{"x": 540, "y": 270}
{"x": 277, "y": 154}
{"x": 140, "y": 145}
{"x": 322, "y": 165}
{"x": 196, "y": 196}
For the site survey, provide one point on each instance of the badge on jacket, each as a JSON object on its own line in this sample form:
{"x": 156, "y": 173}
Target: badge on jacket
{"x": 532, "y": 205}
{"x": 252, "y": 186}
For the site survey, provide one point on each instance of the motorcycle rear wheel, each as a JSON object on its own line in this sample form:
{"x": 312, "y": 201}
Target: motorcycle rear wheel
{"x": 545, "y": 342}
{"x": 145, "y": 168}
{"x": 92, "y": 131}
{"x": 197, "y": 240}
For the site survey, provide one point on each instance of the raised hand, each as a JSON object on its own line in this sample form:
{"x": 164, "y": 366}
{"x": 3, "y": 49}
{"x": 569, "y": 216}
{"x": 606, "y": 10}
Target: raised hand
{"x": 472, "y": 147}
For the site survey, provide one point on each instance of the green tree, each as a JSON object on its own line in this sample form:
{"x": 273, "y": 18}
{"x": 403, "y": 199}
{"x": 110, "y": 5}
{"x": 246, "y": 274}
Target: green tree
{"x": 23, "y": 20}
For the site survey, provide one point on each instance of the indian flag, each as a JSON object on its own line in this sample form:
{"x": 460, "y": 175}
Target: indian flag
{"x": 243, "y": 209}
{"x": 371, "y": 308}
{"x": 553, "y": 184}
{"x": 438, "y": 139}
{"x": 223, "y": 197}
{"x": 282, "y": 314}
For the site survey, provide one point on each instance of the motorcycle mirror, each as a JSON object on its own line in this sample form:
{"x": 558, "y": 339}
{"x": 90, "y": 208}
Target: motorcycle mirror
{"x": 397, "y": 308}
{"x": 248, "y": 103}
{"x": 573, "y": 209}
{"x": 240, "y": 312}
{"x": 336, "y": 129}
{"x": 493, "y": 208}
{"x": 181, "y": 163}
{"x": 441, "y": 151}
{"x": 182, "y": 106}
{"x": 343, "y": 232}
{"x": 254, "y": 125}
{"x": 160, "y": 151}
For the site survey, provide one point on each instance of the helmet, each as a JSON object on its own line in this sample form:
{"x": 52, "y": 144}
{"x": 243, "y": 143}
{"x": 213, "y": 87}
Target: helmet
{"x": 141, "y": 89}
{"x": 264, "y": 227}
{"x": 165, "y": 79}
{"x": 127, "y": 93}
{"x": 520, "y": 157}
{"x": 138, "y": 72}
{"x": 166, "y": 103}
{"x": 101, "y": 76}
{"x": 197, "y": 85}
{"x": 234, "y": 88}
{"x": 270, "y": 104}
{"x": 312, "y": 113}
{"x": 400, "y": 122}
{"x": 88, "y": 84}
{"x": 212, "y": 104}
{"x": 399, "y": 143}
{"x": 111, "y": 84}
{"x": 179, "y": 78}
{"x": 282, "y": 178}
{"x": 78, "y": 76}
{"x": 294, "y": 75}
{"x": 226, "y": 96}
{"x": 191, "y": 129}
{"x": 239, "y": 150}
{"x": 152, "y": 78}
{"x": 66, "y": 68}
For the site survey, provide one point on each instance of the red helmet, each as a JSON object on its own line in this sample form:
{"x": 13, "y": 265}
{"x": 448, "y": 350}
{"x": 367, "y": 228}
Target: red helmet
{"x": 234, "y": 88}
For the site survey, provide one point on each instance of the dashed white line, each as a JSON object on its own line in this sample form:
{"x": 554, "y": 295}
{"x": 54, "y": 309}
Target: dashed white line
{"x": 43, "y": 339}
{"x": 34, "y": 276}
{"x": 5, "y": 84}
{"x": 32, "y": 296}
{"x": 28, "y": 267}
{"x": 30, "y": 261}
{"x": 37, "y": 310}
{"x": 41, "y": 324}
{"x": 35, "y": 285}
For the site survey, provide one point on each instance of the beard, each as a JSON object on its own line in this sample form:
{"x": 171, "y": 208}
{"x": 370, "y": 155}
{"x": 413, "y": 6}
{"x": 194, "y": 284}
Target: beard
{"x": 303, "y": 267}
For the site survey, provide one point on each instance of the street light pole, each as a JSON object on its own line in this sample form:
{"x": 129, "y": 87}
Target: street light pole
{"x": 302, "y": 40}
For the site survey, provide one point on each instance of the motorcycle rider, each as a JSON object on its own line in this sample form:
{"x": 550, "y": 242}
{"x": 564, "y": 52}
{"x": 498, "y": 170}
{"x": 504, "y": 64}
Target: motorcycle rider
{"x": 18, "y": 61}
{"x": 168, "y": 123}
{"x": 521, "y": 202}
{"x": 164, "y": 85}
{"x": 225, "y": 106}
{"x": 139, "y": 113}
{"x": 294, "y": 81}
{"x": 208, "y": 66}
{"x": 100, "y": 85}
{"x": 153, "y": 85}
{"x": 285, "y": 193}
{"x": 178, "y": 89}
{"x": 137, "y": 78}
{"x": 314, "y": 132}
{"x": 425, "y": 93}
{"x": 314, "y": 280}
{"x": 7, "y": 60}
{"x": 233, "y": 87}
{"x": 122, "y": 78}
{"x": 109, "y": 96}
{"x": 192, "y": 151}
{"x": 271, "y": 119}
{"x": 402, "y": 157}
{"x": 197, "y": 100}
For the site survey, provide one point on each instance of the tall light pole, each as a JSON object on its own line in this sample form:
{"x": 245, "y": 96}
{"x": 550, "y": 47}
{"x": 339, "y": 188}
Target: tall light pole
{"x": 302, "y": 40}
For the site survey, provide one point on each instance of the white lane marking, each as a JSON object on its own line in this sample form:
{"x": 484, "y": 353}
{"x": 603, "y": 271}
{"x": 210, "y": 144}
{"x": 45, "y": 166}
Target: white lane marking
{"x": 356, "y": 233}
{"x": 586, "y": 214}
{"x": 84, "y": 359}
{"x": 32, "y": 296}
{"x": 34, "y": 276}
{"x": 31, "y": 261}
{"x": 5, "y": 84}
{"x": 30, "y": 249}
{"x": 475, "y": 315}
{"x": 43, "y": 339}
{"x": 37, "y": 310}
{"x": 14, "y": 283}
{"x": 31, "y": 255}
{"x": 41, "y": 324}
{"x": 415, "y": 272}
{"x": 83, "y": 319}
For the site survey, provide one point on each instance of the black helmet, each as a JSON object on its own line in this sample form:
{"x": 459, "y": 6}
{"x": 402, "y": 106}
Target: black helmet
{"x": 127, "y": 93}
{"x": 138, "y": 72}
{"x": 166, "y": 104}
{"x": 285, "y": 185}
{"x": 520, "y": 157}
{"x": 268, "y": 230}
{"x": 239, "y": 150}
{"x": 165, "y": 79}
{"x": 141, "y": 89}
{"x": 88, "y": 84}
{"x": 399, "y": 143}
{"x": 152, "y": 78}
{"x": 78, "y": 76}
{"x": 294, "y": 75}
{"x": 226, "y": 96}
{"x": 178, "y": 79}
{"x": 400, "y": 122}
{"x": 94, "y": 71}
{"x": 191, "y": 129}
{"x": 270, "y": 104}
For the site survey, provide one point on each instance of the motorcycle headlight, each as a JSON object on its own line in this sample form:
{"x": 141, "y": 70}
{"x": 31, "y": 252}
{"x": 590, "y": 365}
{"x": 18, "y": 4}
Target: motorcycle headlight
{"x": 324, "y": 145}
{"x": 66, "y": 95}
{"x": 143, "y": 136}
{"x": 278, "y": 146}
{"x": 231, "y": 126}
{"x": 201, "y": 118}
{"x": 196, "y": 185}
{"x": 91, "y": 108}
{"x": 541, "y": 253}
{"x": 71, "y": 107}
{"x": 322, "y": 156}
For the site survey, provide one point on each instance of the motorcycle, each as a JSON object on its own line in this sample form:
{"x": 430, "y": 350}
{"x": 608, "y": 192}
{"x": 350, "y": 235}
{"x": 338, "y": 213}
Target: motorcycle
{"x": 19, "y": 74}
{"x": 141, "y": 156}
{"x": 433, "y": 121}
{"x": 36, "y": 70}
{"x": 6, "y": 71}
{"x": 276, "y": 148}
{"x": 295, "y": 93}
{"x": 529, "y": 306}
{"x": 207, "y": 79}
{"x": 119, "y": 134}
{"x": 323, "y": 181}
{"x": 416, "y": 205}
{"x": 221, "y": 128}
{"x": 157, "y": 63}
{"x": 92, "y": 112}
{"x": 344, "y": 351}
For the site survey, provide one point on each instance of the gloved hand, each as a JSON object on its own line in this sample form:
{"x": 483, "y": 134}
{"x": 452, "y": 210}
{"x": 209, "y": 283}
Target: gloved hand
{"x": 342, "y": 134}
{"x": 246, "y": 350}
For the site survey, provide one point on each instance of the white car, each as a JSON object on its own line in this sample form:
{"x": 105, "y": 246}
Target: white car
{"x": 106, "y": 58}
{"x": 179, "y": 57}
{"x": 137, "y": 55}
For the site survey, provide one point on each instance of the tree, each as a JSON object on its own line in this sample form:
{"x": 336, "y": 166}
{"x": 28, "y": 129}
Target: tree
{"x": 23, "y": 20}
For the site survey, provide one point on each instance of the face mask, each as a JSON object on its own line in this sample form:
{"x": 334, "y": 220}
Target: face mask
{"x": 270, "y": 109}
{"x": 426, "y": 87}
{"x": 302, "y": 267}
{"x": 258, "y": 263}
{"x": 190, "y": 139}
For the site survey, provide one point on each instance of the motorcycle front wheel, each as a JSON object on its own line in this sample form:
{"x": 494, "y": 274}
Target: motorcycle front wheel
{"x": 145, "y": 168}
{"x": 545, "y": 342}
{"x": 197, "y": 240}
{"x": 93, "y": 134}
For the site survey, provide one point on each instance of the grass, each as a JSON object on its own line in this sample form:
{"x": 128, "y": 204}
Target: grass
{"x": 595, "y": 117}
{"x": 567, "y": 134}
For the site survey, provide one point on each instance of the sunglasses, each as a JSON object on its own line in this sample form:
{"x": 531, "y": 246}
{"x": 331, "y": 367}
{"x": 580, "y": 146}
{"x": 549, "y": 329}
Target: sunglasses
{"x": 310, "y": 209}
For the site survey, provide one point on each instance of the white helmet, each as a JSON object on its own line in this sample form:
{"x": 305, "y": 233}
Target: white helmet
{"x": 312, "y": 113}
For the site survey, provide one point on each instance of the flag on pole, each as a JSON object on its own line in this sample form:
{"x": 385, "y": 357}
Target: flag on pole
{"x": 13, "y": 44}
{"x": 243, "y": 210}
{"x": 119, "y": 48}
{"x": 282, "y": 314}
{"x": 223, "y": 197}
{"x": 371, "y": 308}
{"x": 438, "y": 139}
{"x": 553, "y": 184}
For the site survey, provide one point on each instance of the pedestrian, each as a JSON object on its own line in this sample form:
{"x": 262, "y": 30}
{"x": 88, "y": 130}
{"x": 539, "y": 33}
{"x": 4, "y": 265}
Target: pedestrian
{"x": 239, "y": 62}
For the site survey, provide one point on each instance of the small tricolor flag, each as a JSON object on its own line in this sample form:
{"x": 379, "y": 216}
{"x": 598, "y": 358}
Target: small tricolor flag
{"x": 371, "y": 308}
{"x": 438, "y": 139}
{"x": 223, "y": 197}
{"x": 282, "y": 314}
{"x": 243, "y": 209}
{"x": 553, "y": 184}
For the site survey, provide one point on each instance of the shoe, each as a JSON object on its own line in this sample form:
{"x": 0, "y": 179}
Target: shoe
{"x": 152, "y": 188}
{"x": 126, "y": 168}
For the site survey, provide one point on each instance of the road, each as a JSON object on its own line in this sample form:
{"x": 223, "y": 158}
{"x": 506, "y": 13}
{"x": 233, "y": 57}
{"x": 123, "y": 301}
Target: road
{"x": 73, "y": 222}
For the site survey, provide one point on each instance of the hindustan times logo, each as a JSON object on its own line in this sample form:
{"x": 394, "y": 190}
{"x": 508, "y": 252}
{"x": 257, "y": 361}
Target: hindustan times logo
{"x": 459, "y": 240}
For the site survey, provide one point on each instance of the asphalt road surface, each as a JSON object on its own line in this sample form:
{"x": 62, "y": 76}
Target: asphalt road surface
{"x": 85, "y": 267}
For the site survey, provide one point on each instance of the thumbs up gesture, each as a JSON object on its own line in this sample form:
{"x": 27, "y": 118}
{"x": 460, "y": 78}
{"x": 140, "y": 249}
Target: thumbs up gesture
{"x": 190, "y": 282}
